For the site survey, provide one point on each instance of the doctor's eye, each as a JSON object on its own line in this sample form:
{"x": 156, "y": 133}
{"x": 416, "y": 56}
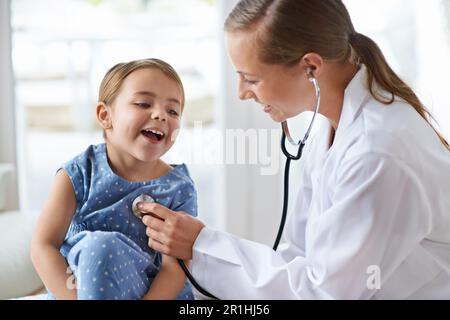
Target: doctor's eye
{"x": 251, "y": 82}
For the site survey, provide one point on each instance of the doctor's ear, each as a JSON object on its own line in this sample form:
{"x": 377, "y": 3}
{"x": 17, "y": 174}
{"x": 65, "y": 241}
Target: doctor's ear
{"x": 103, "y": 115}
{"x": 312, "y": 64}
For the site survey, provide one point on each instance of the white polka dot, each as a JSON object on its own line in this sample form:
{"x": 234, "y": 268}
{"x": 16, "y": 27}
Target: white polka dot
{"x": 95, "y": 238}
{"x": 111, "y": 285}
{"x": 103, "y": 245}
{"x": 101, "y": 289}
{"x": 99, "y": 262}
{"x": 90, "y": 297}
{"x": 113, "y": 241}
{"x": 117, "y": 226}
{"x": 106, "y": 273}
{"x": 88, "y": 270}
{"x": 94, "y": 279}
{"x": 92, "y": 253}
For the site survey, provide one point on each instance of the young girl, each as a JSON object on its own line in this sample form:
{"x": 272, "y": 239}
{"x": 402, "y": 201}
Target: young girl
{"x": 87, "y": 226}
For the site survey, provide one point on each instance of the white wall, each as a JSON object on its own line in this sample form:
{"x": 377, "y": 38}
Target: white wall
{"x": 433, "y": 63}
{"x": 7, "y": 119}
{"x": 252, "y": 201}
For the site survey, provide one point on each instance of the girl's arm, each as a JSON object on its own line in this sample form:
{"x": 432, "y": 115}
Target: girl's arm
{"x": 168, "y": 282}
{"x": 49, "y": 234}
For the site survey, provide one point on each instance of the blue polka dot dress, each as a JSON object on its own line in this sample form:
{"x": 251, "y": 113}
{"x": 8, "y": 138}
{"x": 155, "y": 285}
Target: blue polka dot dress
{"x": 106, "y": 244}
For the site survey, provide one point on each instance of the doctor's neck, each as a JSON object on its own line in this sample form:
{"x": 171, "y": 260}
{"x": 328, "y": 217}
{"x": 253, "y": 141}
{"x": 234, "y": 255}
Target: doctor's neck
{"x": 333, "y": 81}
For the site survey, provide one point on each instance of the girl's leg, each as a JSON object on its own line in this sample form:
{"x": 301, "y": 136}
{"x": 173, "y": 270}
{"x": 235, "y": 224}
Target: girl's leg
{"x": 108, "y": 265}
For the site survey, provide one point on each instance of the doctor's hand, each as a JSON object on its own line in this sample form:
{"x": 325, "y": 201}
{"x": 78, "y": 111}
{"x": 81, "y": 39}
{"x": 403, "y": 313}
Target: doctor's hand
{"x": 171, "y": 233}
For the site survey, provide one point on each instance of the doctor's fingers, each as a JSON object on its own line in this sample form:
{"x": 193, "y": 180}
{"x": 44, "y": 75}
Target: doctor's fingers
{"x": 155, "y": 208}
{"x": 155, "y": 244}
{"x": 153, "y": 223}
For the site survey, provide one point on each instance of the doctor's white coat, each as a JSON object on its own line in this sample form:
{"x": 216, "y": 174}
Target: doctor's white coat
{"x": 375, "y": 206}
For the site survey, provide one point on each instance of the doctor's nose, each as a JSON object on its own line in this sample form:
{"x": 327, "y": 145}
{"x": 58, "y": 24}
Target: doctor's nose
{"x": 244, "y": 93}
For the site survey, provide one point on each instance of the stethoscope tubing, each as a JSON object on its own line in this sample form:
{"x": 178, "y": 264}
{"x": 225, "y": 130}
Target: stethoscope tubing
{"x": 289, "y": 157}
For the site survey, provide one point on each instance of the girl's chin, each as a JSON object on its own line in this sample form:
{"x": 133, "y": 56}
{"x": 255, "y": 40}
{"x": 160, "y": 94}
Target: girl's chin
{"x": 149, "y": 155}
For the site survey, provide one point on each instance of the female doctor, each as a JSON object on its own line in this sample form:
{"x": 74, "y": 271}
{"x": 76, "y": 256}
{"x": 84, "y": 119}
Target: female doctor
{"x": 372, "y": 217}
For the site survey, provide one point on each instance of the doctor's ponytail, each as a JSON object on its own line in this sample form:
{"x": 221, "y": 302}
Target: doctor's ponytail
{"x": 285, "y": 30}
{"x": 364, "y": 50}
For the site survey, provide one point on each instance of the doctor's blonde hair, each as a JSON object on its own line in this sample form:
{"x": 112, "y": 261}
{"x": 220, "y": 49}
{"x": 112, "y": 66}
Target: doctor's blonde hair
{"x": 288, "y": 29}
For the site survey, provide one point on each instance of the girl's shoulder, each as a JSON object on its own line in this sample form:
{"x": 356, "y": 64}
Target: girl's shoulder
{"x": 92, "y": 155}
{"x": 180, "y": 172}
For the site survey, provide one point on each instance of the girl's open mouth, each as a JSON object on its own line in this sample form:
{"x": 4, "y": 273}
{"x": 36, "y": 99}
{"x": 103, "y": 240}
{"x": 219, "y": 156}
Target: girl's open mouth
{"x": 153, "y": 135}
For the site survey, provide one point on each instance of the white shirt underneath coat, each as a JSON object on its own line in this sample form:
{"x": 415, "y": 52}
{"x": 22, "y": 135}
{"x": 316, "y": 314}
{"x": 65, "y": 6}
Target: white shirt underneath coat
{"x": 375, "y": 206}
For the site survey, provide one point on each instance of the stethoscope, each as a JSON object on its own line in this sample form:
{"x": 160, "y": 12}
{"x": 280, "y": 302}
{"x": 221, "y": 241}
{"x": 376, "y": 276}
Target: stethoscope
{"x": 289, "y": 157}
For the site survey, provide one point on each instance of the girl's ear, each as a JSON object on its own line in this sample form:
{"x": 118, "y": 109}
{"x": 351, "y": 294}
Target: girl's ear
{"x": 103, "y": 115}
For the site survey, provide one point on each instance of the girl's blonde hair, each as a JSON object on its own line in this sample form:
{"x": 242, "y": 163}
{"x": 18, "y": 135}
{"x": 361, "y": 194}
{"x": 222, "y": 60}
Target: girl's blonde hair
{"x": 114, "y": 78}
{"x": 288, "y": 29}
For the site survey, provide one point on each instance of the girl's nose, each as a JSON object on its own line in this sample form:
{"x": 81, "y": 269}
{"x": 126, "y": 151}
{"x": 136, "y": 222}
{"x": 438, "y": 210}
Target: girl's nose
{"x": 157, "y": 113}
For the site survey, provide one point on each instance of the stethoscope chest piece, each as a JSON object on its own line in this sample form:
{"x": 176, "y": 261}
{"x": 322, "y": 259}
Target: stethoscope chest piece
{"x": 140, "y": 198}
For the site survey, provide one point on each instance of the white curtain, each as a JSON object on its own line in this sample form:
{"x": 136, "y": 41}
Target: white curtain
{"x": 8, "y": 185}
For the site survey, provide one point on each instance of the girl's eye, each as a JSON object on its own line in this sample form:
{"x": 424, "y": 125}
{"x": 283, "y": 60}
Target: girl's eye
{"x": 143, "y": 105}
{"x": 173, "y": 112}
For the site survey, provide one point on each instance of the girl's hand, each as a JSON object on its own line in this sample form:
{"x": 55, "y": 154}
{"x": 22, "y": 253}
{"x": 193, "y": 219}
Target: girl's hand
{"x": 172, "y": 233}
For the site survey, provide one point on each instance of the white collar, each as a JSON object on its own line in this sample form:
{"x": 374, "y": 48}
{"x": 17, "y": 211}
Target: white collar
{"x": 354, "y": 98}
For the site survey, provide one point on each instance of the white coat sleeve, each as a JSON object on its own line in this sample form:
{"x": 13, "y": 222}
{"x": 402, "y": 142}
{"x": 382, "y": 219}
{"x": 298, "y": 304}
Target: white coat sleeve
{"x": 378, "y": 215}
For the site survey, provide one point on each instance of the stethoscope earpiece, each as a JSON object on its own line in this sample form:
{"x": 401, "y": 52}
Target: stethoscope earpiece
{"x": 140, "y": 198}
